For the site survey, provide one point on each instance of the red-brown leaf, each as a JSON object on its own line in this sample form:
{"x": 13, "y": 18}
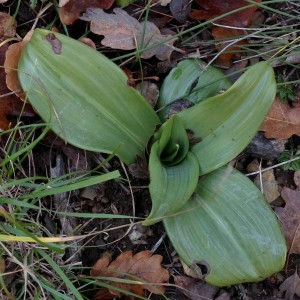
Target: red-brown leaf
{"x": 242, "y": 19}
{"x": 214, "y": 8}
{"x": 142, "y": 266}
{"x": 71, "y": 9}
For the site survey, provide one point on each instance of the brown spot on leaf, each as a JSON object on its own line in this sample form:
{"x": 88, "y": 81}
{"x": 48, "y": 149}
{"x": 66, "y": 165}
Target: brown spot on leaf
{"x": 54, "y": 42}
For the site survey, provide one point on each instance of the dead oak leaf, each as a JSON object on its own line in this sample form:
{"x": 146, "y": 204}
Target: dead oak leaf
{"x": 233, "y": 52}
{"x": 143, "y": 267}
{"x": 70, "y": 10}
{"x": 290, "y": 218}
{"x": 241, "y": 19}
{"x": 121, "y": 31}
{"x": 282, "y": 121}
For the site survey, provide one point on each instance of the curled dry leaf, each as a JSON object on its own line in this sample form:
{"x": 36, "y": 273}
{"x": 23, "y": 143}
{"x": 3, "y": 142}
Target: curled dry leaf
{"x": 143, "y": 267}
{"x": 10, "y": 105}
{"x": 121, "y": 31}
{"x": 11, "y": 64}
{"x": 70, "y": 10}
{"x": 283, "y": 120}
{"x": 290, "y": 218}
{"x": 241, "y": 19}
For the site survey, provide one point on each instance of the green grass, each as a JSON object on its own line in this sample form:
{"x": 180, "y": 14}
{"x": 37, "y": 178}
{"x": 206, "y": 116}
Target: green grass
{"x": 33, "y": 256}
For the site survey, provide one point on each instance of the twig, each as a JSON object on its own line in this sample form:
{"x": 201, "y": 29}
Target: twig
{"x": 273, "y": 167}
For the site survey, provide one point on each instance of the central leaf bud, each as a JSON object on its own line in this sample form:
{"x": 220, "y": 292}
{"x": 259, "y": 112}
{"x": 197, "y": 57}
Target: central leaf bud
{"x": 173, "y": 141}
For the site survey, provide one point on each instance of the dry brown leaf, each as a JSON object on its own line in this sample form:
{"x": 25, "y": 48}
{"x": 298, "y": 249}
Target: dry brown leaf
{"x": 121, "y": 31}
{"x": 266, "y": 179}
{"x": 282, "y": 121}
{"x": 233, "y": 51}
{"x": 71, "y": 9}
{"x": 291, "y": 287}
{"x": 11, "y": 64}
{"x": 290, "y": 218}
{"x": 142, "y": 266}
{"x": 241, "y": 19}
{"x": 10, "y": 105}
{"x": 215, "y": 8}
{"x": 269, "y": 185}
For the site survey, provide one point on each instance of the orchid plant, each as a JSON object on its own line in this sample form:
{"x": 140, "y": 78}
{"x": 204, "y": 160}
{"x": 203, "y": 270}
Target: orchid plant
{"x": 213, "y": 214}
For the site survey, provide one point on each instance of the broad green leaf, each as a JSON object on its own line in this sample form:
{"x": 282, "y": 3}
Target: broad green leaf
{"x": 229, "y": 228}
{"x": 192, "y": 80}
{"x": 170, "y": 186}
{"x": 226, "y": 123}
{"x": 84, "y": 96}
